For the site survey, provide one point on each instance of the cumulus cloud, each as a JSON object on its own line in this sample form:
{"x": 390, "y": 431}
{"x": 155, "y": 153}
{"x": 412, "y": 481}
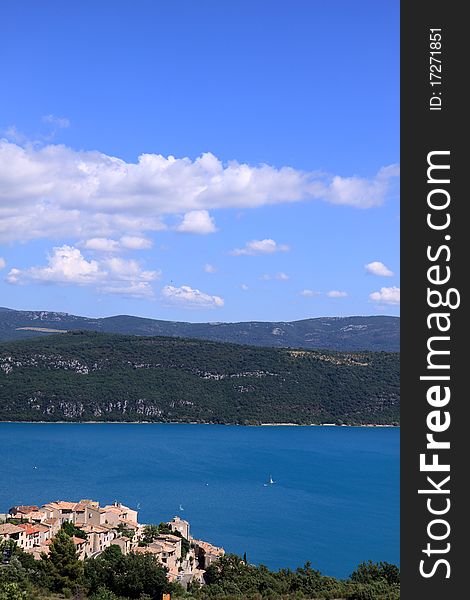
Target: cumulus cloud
{"x": 126, "y": 242}
{"x": 244, "y": 287}
{"x": 3, "y": 264}
{"x": 360, "y": 192}
{"x": 309, "y": 293}
{"x": 255, "y": 247}
{"x": 100, "y": 245}
{"x": 378, "y": 268}
{"x": 387, "y": 295}
{"x": 336, "y": 294}
{"x": 208, "y": 268}
{"x": 133, "y": 242}
{"x": 67, "y": 265}
{"x": 55, "y": 191}
{"x": 128, "y": 270}
{"x": 197, "y": 221}
{"x": 188, "y": 297}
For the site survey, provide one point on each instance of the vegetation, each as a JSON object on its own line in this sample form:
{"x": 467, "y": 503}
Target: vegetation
{"x": 375, "y": 333}
{"x": 104, "y": 377}
{"x": 151, "y": 532}
{"x": 230, "y": 576}
{"x": 126, "y": 531}
{"x": 128, "y": 576}
{"x": 72, "y": 530}
{"x": 114, "y": 576}
{"x": 62, "y": 569}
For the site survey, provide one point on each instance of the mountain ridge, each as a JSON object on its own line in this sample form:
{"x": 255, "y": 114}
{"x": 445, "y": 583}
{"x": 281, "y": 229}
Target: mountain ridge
{"x": 375, "y": 333}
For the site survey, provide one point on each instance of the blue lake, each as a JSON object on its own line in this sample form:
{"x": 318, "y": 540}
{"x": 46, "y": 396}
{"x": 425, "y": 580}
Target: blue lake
{"x": 335, "y": 500}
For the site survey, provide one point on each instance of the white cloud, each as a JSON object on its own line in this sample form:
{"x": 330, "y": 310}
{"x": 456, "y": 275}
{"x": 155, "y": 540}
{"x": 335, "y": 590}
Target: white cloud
{"x": 67, "y": 265}
{"x": 244, "y": 287}
{"x": 3, "y": 264}
{"x": 361, "y": 192}
{"x": 133, "y": 242}
{"x": 100, "y": 245}
{"x": 280, "y": 276}
{"x": 255, "y": 247}
{"x": 126, "y": 242}
{"x": 135, "y": 289}
{"x": 188, "y": 297}
{"x": 12, "y": 133}
{"x": 128, "y": 270}
{"x": 54, "y": 191}
{"x": 336, "y": 294}
{"x": 197, "y": 221}
{"x": 309, "y": 293}
{"x": 378, "y": 268}
{"x": 208, "y": 268}
{"x": 387, "y": 295}
{"x": 57, "y": 122}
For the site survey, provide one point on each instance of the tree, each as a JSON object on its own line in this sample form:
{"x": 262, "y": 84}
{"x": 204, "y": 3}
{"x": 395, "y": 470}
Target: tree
{"x": 11, "y": 591}
{"x": 100, "y": 572}
{"x": 130, "y": 575}
{"x": 123, "y": 530}
{"x": 72, "y": 530}
{"x": 370, "y": 572}
{"x": 150, "y": 533}
{"x": 62, "y": 567}
{"x": 142, "y": 574}
{"x": 165, "y": 528}
{"x": 104, "y": 594}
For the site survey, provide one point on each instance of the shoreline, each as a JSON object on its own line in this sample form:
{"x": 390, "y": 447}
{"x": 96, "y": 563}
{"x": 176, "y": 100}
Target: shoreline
{"x": 367, "y": 425}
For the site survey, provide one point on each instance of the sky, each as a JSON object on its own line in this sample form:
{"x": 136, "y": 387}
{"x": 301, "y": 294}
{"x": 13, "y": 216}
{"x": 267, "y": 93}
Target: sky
{"x": 200, "y": 160}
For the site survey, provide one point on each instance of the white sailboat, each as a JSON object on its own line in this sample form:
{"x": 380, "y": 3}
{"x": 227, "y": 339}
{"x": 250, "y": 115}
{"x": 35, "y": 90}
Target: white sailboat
{"x": 271, "y": 481}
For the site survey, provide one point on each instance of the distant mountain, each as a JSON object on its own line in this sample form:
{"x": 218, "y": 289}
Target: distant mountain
{"x": 83, "y": 376}
{"x": 334, "y": 333}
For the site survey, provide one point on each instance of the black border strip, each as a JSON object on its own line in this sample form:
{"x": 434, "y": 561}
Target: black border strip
{"x": 430, "y": 126}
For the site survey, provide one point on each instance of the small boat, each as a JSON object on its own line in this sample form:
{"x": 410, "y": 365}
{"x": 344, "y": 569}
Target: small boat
{"x": 181, "y": 508}
{"x": 271, "y": 481}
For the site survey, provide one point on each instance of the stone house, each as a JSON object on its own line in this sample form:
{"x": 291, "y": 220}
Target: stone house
{"x": 98, "y": 538}
{"x": 8, "y": 531}
{"x": 178, "y": 524}
{"x": 125, "y": 544}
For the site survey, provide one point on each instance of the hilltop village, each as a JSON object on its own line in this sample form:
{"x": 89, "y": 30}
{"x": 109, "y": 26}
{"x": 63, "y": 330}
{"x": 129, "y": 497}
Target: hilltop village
{"x": 95, "y": 528}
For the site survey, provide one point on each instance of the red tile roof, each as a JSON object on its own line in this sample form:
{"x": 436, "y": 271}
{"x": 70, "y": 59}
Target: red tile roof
{"x": 29, "y": 529}
{"x": 23, "y": 509}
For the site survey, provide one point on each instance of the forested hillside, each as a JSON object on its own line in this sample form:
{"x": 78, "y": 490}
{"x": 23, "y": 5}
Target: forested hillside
{"x": 94, "y": 376}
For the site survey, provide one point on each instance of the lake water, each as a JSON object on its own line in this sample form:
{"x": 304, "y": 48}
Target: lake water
{"x": 335, "y": 500}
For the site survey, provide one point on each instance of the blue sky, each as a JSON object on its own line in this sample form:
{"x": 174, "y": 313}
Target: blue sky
{"x": 200, "y": 160}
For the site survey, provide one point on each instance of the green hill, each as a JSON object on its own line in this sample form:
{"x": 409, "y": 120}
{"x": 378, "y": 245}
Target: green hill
{"x": 84, "y": 376}
{"x": 335, "y": 333}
